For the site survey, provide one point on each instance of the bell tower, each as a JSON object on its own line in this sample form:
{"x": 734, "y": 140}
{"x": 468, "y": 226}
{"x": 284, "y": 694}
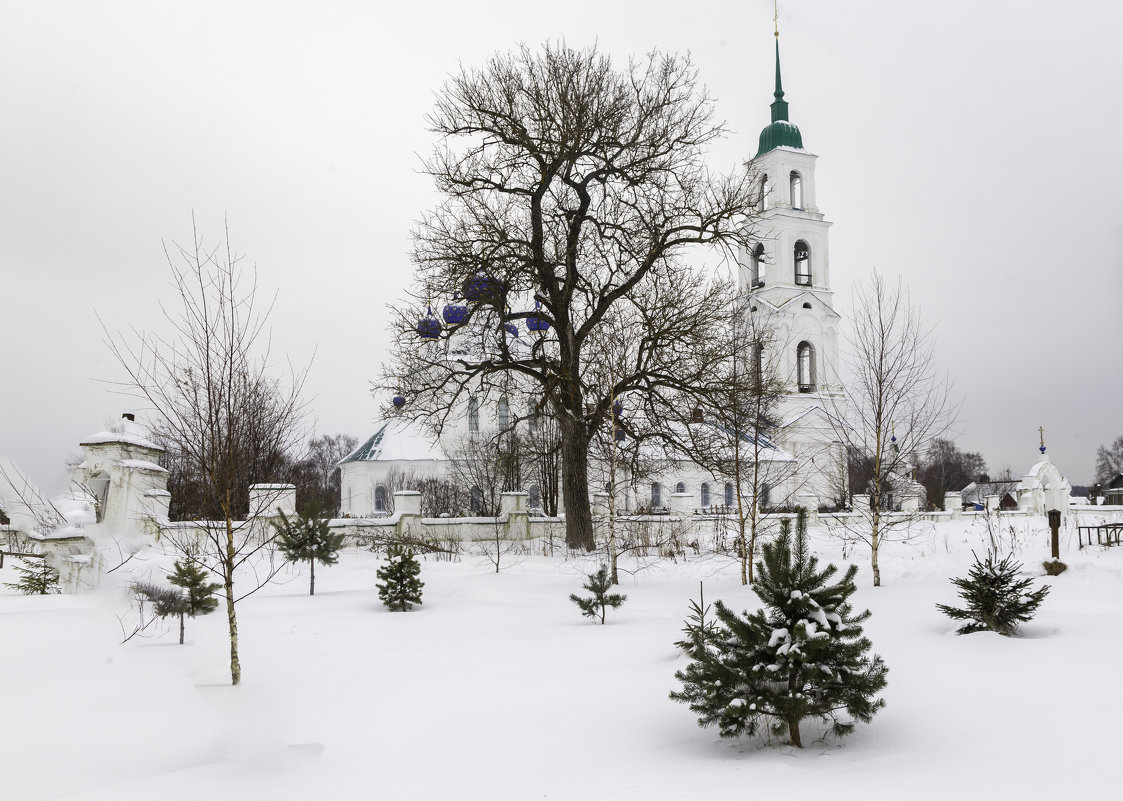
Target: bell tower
{"x": 786, "y": 277}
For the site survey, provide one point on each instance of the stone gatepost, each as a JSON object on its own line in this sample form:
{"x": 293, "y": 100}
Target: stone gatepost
{"x": 810, "y": 502}
{"x": 407, "y": 508}
{"x": 514, "y": 507}
{"x": 268, "y": 499}
{"x": 681, "y": 504}
{"x": 953, "y": 502}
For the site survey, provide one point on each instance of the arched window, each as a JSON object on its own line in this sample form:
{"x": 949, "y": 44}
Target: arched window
{"x": 765, "y": 496}
{"x": 475, "y": 500}
{"x": 705, "y": 496}
{"x": 99, "y": 487}
{"x": 805, "y": 367}
{"x": 380, "y": 498}
{"x": 535, "y": 500}
{"x": 473, "y": 416}
{"x": 762, "y": 201}
{"x": 796, "y": 184}
{"x": 504, "y": 414}
{"x": 680, "y": 488}
{"x": 756, "y": 266}
{"x": 656, "y": 495}
{"x": 730, "y": 501}
{"x": 802, "y": 263}
{"x": 807, "y": 305}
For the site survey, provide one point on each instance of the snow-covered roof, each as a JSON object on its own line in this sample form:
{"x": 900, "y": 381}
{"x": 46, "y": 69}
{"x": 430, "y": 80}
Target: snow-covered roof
{"x": 141, "y": 464}
{"x": 125, "y": 431}
{"x": 397, "y": 439}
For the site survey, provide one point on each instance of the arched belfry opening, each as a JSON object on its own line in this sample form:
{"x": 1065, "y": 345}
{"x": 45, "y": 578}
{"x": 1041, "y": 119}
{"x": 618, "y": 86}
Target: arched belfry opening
{"x": 756, "y": 266}
{"x": 805, "y": 367}
{"x": 802, "y": 255}
{"x": 795, "y": 186}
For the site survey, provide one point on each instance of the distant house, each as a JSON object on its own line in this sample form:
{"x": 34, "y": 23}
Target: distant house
{"x": 975, "y": 494}
{"x": 1113, "y": 491}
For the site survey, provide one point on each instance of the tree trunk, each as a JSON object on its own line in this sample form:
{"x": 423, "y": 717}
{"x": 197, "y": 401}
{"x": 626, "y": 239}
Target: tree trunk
{"x": 874, "y": 541}
{"x": 231, "y": 618}
{"x": 793, "y": 716}
{"x": 312, "y": 581}
{"x": 575, "y": 486}
{"x": 181, "y": 628}
{"x": 793, "y": 731}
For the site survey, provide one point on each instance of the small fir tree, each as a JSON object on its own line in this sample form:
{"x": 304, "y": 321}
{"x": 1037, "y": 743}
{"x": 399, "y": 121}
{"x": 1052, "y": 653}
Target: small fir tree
{"x": 196, "y": 596}
{"x": 198, "y": 593}
{"x": 997, "y": 600}
{"x": 801, "y": 656}
{"x": 308, "y": 539}
{"x": 166, "y": 602}
{"x": 599, "y": 584}
{"x": 399, "y": 587}
{"x": 700, "y": 626}
{"x": 39, "y": 580}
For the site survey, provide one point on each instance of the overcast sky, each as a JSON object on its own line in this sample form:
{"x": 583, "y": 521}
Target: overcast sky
{"x": 970, "y": 147}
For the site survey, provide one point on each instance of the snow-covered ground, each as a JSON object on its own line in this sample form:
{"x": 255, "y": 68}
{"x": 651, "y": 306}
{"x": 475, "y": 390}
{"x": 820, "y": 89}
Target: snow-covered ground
{"x": 497, "y": 688}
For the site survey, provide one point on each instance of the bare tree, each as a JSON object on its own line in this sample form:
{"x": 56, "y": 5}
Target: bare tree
{"x": 487, "y": 464}
{"x": 571, "y": 188}
{"x": 317, "y": 476}
{"x": 730, "y": 431}
{"x": 214, "y": 402}
{"x": 945, "y": 468}
{"x": 1109, "y": 461}
{"x": 898, "y": 403}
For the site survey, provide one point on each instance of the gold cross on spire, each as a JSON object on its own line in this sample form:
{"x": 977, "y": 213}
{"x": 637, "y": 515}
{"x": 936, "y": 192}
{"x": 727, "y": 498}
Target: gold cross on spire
{"x": 1041, "y": 430}
{"x": 776, "y": 16}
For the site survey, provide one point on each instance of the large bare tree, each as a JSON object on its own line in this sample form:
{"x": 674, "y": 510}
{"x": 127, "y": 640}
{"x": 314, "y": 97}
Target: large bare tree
{"x": 214, "y": 401}
{"x": 571, "y": 187}
{"x": 899, "y": 403}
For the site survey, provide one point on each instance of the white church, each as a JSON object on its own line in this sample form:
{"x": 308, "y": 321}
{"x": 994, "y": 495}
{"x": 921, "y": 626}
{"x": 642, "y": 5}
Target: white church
{"x": 786, "y": 276}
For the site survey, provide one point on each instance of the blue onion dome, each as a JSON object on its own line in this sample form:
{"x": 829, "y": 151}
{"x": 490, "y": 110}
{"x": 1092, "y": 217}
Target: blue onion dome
{"x": 536, "y": 322}
{"x": 482, "y": 287}
{"x": 454, "y": 313}
{"x": 399, "y": 401}
{"x": 617, "y": 409}
{"x": 428, "y": 327}
{"x": 511, "y": 328}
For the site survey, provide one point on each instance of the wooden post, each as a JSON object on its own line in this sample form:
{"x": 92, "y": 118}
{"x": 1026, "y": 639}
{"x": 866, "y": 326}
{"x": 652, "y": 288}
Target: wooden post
{"x": 1054, "y": 526}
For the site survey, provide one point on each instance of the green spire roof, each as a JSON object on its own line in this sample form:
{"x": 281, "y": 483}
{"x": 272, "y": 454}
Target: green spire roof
{"x": 780, "y": 133}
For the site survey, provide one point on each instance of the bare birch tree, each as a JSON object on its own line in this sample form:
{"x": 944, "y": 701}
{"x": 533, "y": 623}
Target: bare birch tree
{"x": 898, "y": 402}
{"x": 215, "y": 403}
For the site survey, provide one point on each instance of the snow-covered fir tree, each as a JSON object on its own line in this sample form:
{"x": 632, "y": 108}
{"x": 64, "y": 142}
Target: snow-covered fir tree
{"x": 599, "y": 584}
{"x": 399, "y": 587}
{"x": 801, "y": 656}
{"x": 997, "y": 600}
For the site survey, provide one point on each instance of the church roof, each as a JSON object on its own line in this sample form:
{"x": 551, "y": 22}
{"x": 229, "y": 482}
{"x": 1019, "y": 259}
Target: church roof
{"x": 781, "y": 132}
{"x": 397, "y": 439}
